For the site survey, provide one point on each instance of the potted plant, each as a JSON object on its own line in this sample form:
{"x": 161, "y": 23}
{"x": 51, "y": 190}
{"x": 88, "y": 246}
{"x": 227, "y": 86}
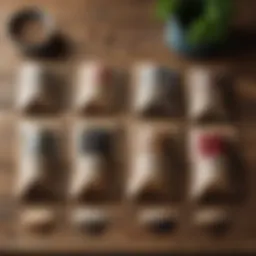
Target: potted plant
{"x": 195, "y": 27}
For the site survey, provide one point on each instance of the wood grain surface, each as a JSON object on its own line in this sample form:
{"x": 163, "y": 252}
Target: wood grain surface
{"x": 122, "y": 32}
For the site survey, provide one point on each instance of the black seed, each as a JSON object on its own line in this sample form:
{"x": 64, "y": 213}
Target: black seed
{"x": 95, "y": 141}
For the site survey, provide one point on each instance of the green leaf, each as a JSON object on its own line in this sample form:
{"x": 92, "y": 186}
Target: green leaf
{"x": 212, "y": 26}
{"x": 218, "y": 10}
{"x": 165, "y": 8}
{"x": 198, "y": 32}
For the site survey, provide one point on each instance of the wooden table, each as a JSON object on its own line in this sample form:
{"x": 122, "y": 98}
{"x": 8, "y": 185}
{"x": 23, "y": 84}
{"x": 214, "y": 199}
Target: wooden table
{"x": 122, "y": 32}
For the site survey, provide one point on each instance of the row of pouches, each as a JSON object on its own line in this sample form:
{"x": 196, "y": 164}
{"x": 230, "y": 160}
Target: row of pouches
{"x": 145, "y": 165}
{"x": 98, "y": 89}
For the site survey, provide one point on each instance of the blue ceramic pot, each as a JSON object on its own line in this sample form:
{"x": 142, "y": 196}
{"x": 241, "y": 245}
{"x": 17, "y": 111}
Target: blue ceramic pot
{"x": 176, "y": 39}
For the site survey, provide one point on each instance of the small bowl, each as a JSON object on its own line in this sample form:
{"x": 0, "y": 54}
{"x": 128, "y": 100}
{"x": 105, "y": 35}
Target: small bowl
{"x": 25, "y": 18}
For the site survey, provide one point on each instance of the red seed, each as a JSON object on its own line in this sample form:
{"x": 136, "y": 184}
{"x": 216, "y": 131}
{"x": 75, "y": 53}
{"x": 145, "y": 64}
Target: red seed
{"x": 211, "y": 145}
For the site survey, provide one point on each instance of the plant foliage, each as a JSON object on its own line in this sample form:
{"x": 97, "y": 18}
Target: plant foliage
{"x": 204, "y": 20}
